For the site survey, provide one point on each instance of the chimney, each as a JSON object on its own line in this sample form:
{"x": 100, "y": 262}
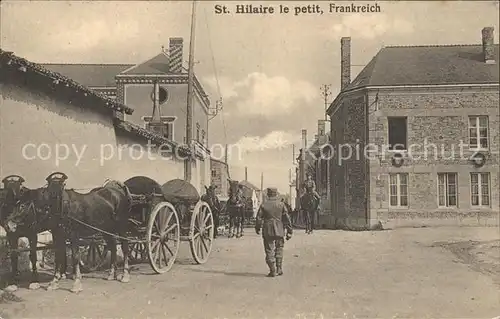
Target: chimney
{"x": 246, "y": 174}
{"x": 175, "y": 55}
{"x": 345, "y": 62}
{"x": 321, "y": 127}
{"x": 304, "y": 140}
{"x": 488, "y": 45}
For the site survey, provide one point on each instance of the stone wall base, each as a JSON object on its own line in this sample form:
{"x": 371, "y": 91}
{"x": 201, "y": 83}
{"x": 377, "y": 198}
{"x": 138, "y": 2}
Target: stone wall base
{"x": 395, "y": 219}
{"x": 348, "y": 223}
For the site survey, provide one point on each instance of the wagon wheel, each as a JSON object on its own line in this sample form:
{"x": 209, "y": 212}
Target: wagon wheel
{"x": 202, "y": 232}
{"x": 163, "y": 234}
{"x": 137, "y": 253}
{"x": 93, "y": 256}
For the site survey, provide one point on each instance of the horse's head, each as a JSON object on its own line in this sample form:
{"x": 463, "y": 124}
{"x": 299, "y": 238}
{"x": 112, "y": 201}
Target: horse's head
{"x": 309, "y": 202}
{"x": 210, "y": 191}
{"x": 10, "y": 197}
{"x": 233, "y": 186}
{"x": 24, "y": 210}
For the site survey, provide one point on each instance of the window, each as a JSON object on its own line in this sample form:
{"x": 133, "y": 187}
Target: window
{"x": 324, "y": 174}
{"x": 165, "y": 129}
{"x": 214, "y": 172}
{"x": 397, "y": 133}
{"x": 198, "y": 132}
{"x": 447, "y": 189}
{"x": 478, "y": 132}
{"x": 398, "y": 185}
{"x": 480, "y": 189}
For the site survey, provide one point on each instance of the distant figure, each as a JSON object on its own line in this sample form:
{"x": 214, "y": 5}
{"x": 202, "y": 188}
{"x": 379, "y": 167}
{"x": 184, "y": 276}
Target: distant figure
{"x": 288, "y": 208}
{"x": 309, "y": 186}
{"x": 273, "y": 219}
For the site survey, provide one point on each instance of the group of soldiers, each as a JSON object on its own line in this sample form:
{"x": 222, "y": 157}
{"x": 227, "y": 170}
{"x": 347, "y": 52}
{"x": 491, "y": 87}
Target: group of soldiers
{"x": 273, "y": 220}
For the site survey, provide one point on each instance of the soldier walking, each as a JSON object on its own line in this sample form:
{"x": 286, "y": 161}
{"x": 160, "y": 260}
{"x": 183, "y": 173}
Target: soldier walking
{"x": 274, "y": 221}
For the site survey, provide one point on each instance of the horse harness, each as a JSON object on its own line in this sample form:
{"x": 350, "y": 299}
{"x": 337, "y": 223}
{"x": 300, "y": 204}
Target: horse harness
{"x": 58, "y": 199}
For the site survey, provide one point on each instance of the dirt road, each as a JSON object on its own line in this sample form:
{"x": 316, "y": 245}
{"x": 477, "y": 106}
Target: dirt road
{"x": 403, "y": 273}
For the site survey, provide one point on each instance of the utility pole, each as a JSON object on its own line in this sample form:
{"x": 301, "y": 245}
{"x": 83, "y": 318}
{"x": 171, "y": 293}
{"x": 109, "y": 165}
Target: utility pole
{"x": 261, "y": 182}
{"x": 325, "y": 93}
{"x": 190, "y": 95}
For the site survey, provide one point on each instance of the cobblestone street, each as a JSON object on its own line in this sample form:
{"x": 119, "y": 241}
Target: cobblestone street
{"x": 399, "y": 273}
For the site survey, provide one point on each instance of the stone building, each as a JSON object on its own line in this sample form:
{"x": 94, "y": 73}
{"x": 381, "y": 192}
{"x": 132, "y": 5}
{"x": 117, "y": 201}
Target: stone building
{"x": 428, "y": 117}
{"x": 219, "y": 177}
{"x": 315, "y": 161}
{"x": 135, "y": 85}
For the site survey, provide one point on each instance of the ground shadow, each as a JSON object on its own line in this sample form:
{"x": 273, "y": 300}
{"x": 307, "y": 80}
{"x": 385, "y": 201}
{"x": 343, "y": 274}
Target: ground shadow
{"x": 238, "y": 274}
{"x": 25, "y": 278}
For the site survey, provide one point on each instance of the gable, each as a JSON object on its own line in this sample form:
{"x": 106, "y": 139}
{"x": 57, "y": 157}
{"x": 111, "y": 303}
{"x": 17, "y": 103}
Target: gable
{"x": 159, "y": 64}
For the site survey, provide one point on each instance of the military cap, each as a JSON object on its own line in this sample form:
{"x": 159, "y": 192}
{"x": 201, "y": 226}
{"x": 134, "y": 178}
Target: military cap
{"x": 272, "y": 192}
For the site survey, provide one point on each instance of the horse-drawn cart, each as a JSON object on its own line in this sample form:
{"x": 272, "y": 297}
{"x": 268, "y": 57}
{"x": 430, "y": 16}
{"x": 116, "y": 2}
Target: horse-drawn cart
{"x": 161, "y": 217}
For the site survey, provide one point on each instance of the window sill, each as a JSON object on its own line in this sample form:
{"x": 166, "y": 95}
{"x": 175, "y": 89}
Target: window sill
{"x": 399, "y": 207}
{"x": 486, "y": 150}
{"x": 448, "y": 207}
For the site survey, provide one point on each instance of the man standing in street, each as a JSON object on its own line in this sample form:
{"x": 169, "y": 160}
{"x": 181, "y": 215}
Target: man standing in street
{"x": 274, "y": 221}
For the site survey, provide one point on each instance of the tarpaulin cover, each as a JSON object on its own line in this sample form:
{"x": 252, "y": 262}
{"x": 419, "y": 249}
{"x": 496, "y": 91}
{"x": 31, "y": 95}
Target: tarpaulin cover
{"x": 178, "y": 190}
{"x": 142, "y": 185}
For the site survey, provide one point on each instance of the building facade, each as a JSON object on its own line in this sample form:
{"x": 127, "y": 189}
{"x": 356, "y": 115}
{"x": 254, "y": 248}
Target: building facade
{"x": 51, "y": 123}
{"x": 426, "y": 120}
{"x": 315, "y": 160}
{"x": 220, "y": 177}
{"x": 137, "y": 85}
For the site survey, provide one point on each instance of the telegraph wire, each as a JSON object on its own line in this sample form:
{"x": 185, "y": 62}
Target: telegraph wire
{"x": 219, "y": 102}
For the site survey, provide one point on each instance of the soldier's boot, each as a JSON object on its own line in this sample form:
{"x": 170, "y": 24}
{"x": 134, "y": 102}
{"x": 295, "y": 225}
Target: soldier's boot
{"x": 279, "y": 266}
{"x": 272, "y": 269}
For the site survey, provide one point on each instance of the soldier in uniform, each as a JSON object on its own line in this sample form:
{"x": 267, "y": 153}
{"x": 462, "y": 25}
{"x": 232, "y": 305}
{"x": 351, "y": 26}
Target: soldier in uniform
{"x": 310, "y": 187}
{"x": 274, "y": 221}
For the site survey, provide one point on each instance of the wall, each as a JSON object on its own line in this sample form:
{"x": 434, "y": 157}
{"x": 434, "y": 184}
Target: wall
{"x": 220, "y": 177}
{"x": 134, "y": 163}
{"x": 349, "y": 170}
{"x": 441, "y": 116}
{"x": 30, "y": 117}
{"x": 138, "y": 96}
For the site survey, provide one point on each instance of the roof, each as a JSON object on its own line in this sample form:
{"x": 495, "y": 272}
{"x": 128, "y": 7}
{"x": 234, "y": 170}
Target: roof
{"x": 22, "y": 65}
{"x": 149, "y": 135}
{"x": 428, "y": 65}
{"x": 103, "y": 75}
{"x": 218, "y": 161}
{"x": 159, "y": 64}
{"x": 249, "y": 185}
{"x": 90, "y": 75}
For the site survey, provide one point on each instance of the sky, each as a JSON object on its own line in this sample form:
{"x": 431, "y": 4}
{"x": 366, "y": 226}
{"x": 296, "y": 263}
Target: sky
{"x": 268, "y": 69}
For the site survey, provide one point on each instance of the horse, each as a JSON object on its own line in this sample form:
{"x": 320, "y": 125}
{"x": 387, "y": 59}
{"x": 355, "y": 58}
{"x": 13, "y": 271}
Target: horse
{"x": 211, "y": 199}
{"x": 236, "y": 209}
{"x": 26, "y": 225}
{"x": 104, "y": 210}
{"x": 309, "y": 205}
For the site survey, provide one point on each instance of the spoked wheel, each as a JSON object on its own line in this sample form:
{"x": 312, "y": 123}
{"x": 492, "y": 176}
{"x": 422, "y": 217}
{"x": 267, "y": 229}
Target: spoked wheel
{"x": 93, "y": 256}
{"x": 201, "y": 232}
{"x": 138, "y": 253}
{"x": 163, "y": 234}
